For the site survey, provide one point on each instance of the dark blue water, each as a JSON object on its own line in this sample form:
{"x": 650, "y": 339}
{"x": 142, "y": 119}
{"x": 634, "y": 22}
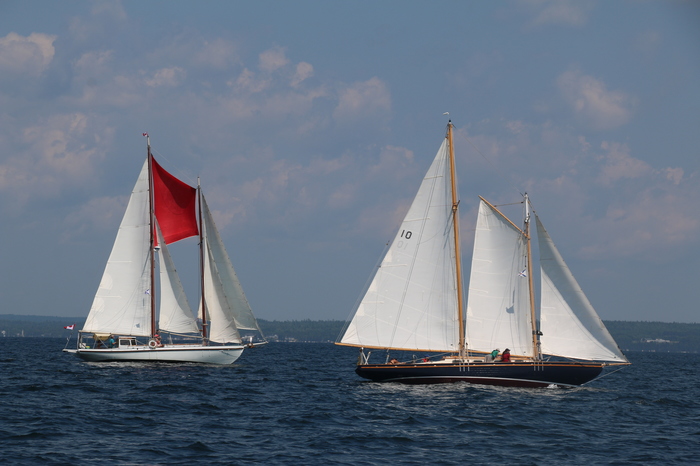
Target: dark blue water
{"x": 297, "y": 403}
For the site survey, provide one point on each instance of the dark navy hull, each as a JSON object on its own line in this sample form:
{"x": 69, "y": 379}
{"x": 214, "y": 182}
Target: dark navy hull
{"x": 516, "y": 374}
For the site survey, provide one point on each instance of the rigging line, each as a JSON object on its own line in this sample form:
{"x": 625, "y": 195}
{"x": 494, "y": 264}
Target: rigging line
{"x": 180, "y": 173}
{"x": 498, "y": 172}
{"x": 604, "y": 375}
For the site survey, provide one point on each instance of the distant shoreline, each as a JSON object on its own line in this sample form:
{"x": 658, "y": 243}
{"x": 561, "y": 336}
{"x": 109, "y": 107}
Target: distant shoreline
{"x": 629, "y": 335}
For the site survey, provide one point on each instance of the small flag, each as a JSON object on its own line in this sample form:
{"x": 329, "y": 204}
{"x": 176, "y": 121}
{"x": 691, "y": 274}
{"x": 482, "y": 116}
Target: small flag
{"x": 145, "y": 134}
{"x": 69, "y": 327}
{"x": 523, "y": 273}
{"x": 148, "y": 291}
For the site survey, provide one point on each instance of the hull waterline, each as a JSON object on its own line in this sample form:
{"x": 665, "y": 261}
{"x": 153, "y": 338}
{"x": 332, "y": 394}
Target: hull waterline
{"x": 520, "y": 374}
{"x": 198, "y": 354}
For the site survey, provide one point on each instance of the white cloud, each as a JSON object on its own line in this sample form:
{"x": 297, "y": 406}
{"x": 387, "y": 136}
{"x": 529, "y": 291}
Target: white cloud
{"x": 104, "y": 17}
{"x": 169, "y": 77}
{"x": 101, "y": 214}
{"x": 362, "y": 99}
{"x": 592, "y": 102}
{"x": 54, "y": 155}
{"x": 28, "y": 56}
{"x": 619, "y": 164}
{"x": 219, "y": 53}
{"x": 273, "y": 59}
{"x": 92, "y": 63}
{"x": 303, "y": 72}
{"x": 562, "y": 12}
{"x": 393, "y": 161}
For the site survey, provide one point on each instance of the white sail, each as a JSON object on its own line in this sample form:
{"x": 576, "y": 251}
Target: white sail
{"x": 411, "y": 302}
{"x": 231, "y": 286}
{"x": 175, "y": 314}
{"x": 122, "y": 304}
{"x": 219, "y": 311}
{"x": 498, "y": 306}
{"x": 570, "y": 326}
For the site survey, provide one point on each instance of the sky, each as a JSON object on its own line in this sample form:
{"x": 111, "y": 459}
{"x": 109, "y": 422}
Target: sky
{"x": 311, "y": 124}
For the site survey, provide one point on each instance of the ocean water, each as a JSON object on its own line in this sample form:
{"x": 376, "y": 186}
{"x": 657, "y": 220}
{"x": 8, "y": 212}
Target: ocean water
{"x": 301, "y": 403}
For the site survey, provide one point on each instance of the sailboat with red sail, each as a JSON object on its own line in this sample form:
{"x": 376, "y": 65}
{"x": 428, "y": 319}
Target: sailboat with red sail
{"x": 127, "y": 323}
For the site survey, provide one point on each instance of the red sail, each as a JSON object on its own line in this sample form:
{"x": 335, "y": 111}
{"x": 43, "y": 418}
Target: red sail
{"x": 174, "y": 205}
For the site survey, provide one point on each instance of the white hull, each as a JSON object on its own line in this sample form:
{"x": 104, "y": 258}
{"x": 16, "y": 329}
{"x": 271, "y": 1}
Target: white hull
{"x": 167, "y": 353}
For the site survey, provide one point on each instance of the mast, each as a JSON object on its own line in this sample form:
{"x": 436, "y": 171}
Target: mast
{"x": 201, "y": 264}
{"x": 455, "y": 225}
{"x": 151, "y": 223}
{"x": 535, "y": 333}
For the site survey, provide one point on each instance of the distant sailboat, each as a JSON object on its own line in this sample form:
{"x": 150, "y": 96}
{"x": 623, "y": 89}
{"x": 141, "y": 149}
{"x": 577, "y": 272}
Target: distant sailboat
{"x": 123, "y": 324}
{"x": 415, "y": 301}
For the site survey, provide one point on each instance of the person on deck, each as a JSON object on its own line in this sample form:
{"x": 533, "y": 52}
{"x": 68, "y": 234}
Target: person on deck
{"x": 506, "y": 356}
{"x": 491, "y": 357}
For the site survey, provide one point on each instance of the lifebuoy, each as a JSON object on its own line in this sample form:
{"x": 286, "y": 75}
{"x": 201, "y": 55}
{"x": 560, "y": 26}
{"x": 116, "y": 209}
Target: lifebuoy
{"x": 152, "y": 343}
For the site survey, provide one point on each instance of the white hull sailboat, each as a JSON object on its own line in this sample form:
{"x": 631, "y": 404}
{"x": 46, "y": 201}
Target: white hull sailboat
{"x": 414, "y": 303}
{"x": 124, "y": 324}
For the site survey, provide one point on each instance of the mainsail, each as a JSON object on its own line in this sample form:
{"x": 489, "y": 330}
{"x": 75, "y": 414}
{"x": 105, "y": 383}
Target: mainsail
{"x": 122, "y": 303}
{"x": 499, "y": 297}
{"x": 411, "y": 302}
{"x": 568, "y": 322}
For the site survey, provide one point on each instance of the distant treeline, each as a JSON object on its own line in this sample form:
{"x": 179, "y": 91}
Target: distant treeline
{"x": 630, "y": 336}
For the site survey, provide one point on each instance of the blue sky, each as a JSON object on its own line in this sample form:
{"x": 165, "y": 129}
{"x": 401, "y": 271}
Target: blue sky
{"x": 311, "y": 124}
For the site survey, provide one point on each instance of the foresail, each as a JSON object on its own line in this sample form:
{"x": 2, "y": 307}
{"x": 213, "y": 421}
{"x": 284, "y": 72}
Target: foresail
{"x": 230, "y": 285}
{"x": 569, "y": 324}
{"x": 498, "y": 309}
{"x": 122, "y": 302}
{"x": 411, "y": 302}
{"x": 175, "y": 313}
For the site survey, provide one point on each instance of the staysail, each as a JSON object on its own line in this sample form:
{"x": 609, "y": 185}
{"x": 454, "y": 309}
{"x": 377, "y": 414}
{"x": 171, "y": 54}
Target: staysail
{"x": 122, "y": 302}
{"x": 498, "y": 303}
{"x": 175, "y": 314}
{"x": 411, "y": 302}
{"x": 219, "y": 305}
{"x": 231, "y": 286}
{"x": 568, "y": 322}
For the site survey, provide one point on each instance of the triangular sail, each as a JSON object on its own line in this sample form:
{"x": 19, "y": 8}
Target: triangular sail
{"x": 411, "y": 302}
{"x": 231, "y": 286}
{"x": 122, "y": 302}
{"x": 498, "y": 314}
{"x": 227, "y": 306}
{"x": 175, "y": 314}
{"x": 569, "y": 324}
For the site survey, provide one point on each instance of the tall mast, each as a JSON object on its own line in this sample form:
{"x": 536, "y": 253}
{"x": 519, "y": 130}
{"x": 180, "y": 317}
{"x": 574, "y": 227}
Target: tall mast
{"x": 151, "y": 223}
{"x": 201, "y": 264}
{"x": 535, "y": 334}
{"x": 455, "y": 225}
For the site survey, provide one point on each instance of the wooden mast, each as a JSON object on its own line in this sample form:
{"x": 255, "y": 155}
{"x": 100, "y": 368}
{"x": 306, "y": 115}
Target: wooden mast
{"x": 201, "y": 265}
{"x": 535, "y": 334}
{"x": 455, "y": 226}
{"x": 151, "y": 223}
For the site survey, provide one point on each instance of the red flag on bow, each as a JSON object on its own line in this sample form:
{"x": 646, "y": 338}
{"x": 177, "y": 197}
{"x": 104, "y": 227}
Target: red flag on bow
{"x": 69, "y": 327}
{"x": 174, "y": 205}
